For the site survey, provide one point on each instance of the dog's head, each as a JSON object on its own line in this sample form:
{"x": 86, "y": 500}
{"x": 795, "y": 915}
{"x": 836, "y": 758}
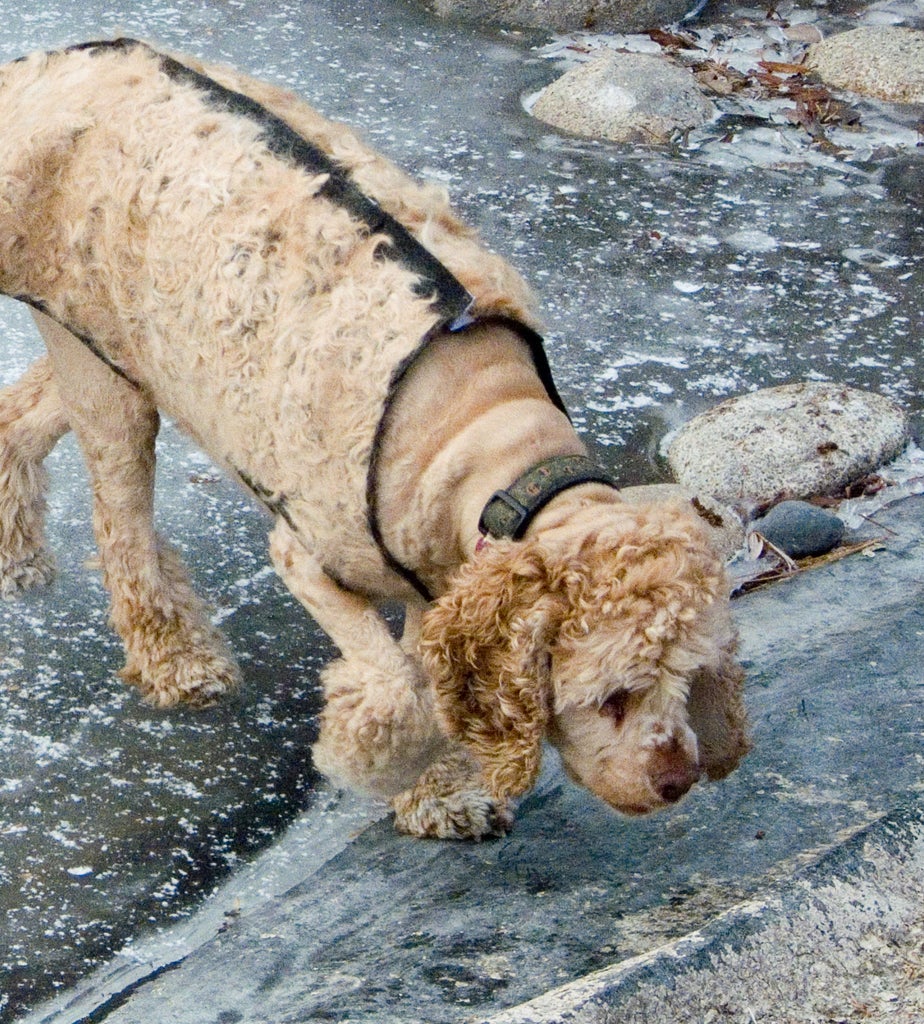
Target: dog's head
{"x": 607, "y": 632}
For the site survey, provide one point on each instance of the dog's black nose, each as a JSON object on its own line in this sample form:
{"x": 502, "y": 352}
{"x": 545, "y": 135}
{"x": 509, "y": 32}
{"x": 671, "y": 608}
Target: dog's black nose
{"x": 671, "y": 792}
{"x": 674, "y": 784}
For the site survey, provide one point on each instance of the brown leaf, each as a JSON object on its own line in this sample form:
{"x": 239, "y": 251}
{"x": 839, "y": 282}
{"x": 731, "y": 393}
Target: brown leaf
{"x": 772, "y": 83}
{"x": 783, "y": 67}
{"x": 872, "y": 483}
{"x": 672, "y": 40}
{"x": 720, "y": 78}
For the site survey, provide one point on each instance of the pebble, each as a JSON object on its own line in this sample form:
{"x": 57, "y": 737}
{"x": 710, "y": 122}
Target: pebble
{"x": 796, "y": 440}
{"x": 799, "y": 529}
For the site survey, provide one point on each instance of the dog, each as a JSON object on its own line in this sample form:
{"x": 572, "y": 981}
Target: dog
{"x": 200, "y": 244}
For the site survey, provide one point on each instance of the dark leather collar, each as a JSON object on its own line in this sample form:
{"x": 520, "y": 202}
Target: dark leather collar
{"x": 509, "y": 513}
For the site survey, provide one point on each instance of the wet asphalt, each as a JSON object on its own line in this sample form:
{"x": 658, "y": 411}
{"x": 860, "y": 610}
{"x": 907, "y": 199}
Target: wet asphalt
{"x": 137, "y": 844}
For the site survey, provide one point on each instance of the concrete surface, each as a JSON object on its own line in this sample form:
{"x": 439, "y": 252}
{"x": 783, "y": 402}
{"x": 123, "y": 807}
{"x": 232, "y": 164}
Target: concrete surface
{"x": 843, "y": 940}
{"x": 671, "y": 279}
{"x": 391, "y": 929}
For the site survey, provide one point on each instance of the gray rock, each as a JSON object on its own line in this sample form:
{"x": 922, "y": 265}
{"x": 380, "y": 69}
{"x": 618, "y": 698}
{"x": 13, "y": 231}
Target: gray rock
{"x": 624, "y": 97}
{"x": 723, "y": 524}
{"x": 797, "y": 440}
{"x": 882, "y": 60}
{"x": 565, "y": 15}
{"x": 799, "y": 529}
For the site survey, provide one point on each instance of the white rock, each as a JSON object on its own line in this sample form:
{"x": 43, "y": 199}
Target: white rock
{"x": 883, "y": 61}
{"x": 624, "y": 97}
{"x": 797, "y": 440}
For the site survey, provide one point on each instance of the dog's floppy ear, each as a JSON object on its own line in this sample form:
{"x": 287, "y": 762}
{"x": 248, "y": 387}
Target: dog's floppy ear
{"x": 485, "y": 645}
{"x": 716, "y": 714}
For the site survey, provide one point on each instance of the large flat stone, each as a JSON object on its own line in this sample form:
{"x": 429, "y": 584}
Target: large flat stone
{"x": 796, "y": 441}
{"x": 876, "y": 60}
{"x": 624, "y": 97}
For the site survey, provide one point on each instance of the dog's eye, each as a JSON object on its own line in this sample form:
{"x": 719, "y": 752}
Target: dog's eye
{"x": 616, "y": 705}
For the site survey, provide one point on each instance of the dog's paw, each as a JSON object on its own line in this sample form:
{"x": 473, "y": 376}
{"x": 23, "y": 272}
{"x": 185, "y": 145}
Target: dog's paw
{"x": 24, "y": 573}
{"x": 470, "y": 814}
{"x": 450, "y": 801}
{"x": 195, "y": 678}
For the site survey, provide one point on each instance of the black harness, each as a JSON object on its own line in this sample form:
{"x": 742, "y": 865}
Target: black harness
{"x": 508, "y": 513}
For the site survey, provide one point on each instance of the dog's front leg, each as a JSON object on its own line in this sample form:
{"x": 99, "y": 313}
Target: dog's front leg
{"x": 378, "y": 729}
{"x": 174, "y": 653}
{"x": 379, "y": 733}
{"x": 32, "y": 420}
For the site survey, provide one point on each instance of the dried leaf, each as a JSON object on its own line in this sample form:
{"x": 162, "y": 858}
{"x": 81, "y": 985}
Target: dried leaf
{"x": 672, "y": 40}
{"x": 710, "y": 515}
{"x": 873, "y": 483}
{"x": 759, "y": 546}
{"x": 720, "y": 78}
{"x": 755, "y": 544}
{"x": 770, "y": 82}
{"x": 783, "y": 67}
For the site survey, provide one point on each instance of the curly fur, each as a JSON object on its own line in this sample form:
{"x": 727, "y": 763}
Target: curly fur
{"x": 31, "y": 421}
{"x": 234, "y": 296}
{"x": 535, "y": 635}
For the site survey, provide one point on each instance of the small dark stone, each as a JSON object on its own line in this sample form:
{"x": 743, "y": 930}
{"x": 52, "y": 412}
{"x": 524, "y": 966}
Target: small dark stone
{"x": 800, "y": 529}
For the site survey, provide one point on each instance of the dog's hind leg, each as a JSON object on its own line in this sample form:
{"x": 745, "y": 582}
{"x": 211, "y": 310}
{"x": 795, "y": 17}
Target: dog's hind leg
{"x": 173, "y": 652}
{"x": 32, "y": 419}
{"x": 378, "y": 728}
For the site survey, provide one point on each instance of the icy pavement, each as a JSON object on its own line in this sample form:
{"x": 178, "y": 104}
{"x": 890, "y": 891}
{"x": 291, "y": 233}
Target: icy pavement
{"x": 742, "y": 257}
{"x": 385, "y": 928}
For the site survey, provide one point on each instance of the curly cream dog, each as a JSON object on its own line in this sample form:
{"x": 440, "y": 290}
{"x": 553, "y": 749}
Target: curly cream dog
{"x": 200, "y": 244}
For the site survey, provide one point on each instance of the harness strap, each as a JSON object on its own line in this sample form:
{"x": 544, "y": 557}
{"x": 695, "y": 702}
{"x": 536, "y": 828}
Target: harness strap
{"x": 449, "y": 298}
{"x": 543, "y": 370}
{"x": 39, "y": 306}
